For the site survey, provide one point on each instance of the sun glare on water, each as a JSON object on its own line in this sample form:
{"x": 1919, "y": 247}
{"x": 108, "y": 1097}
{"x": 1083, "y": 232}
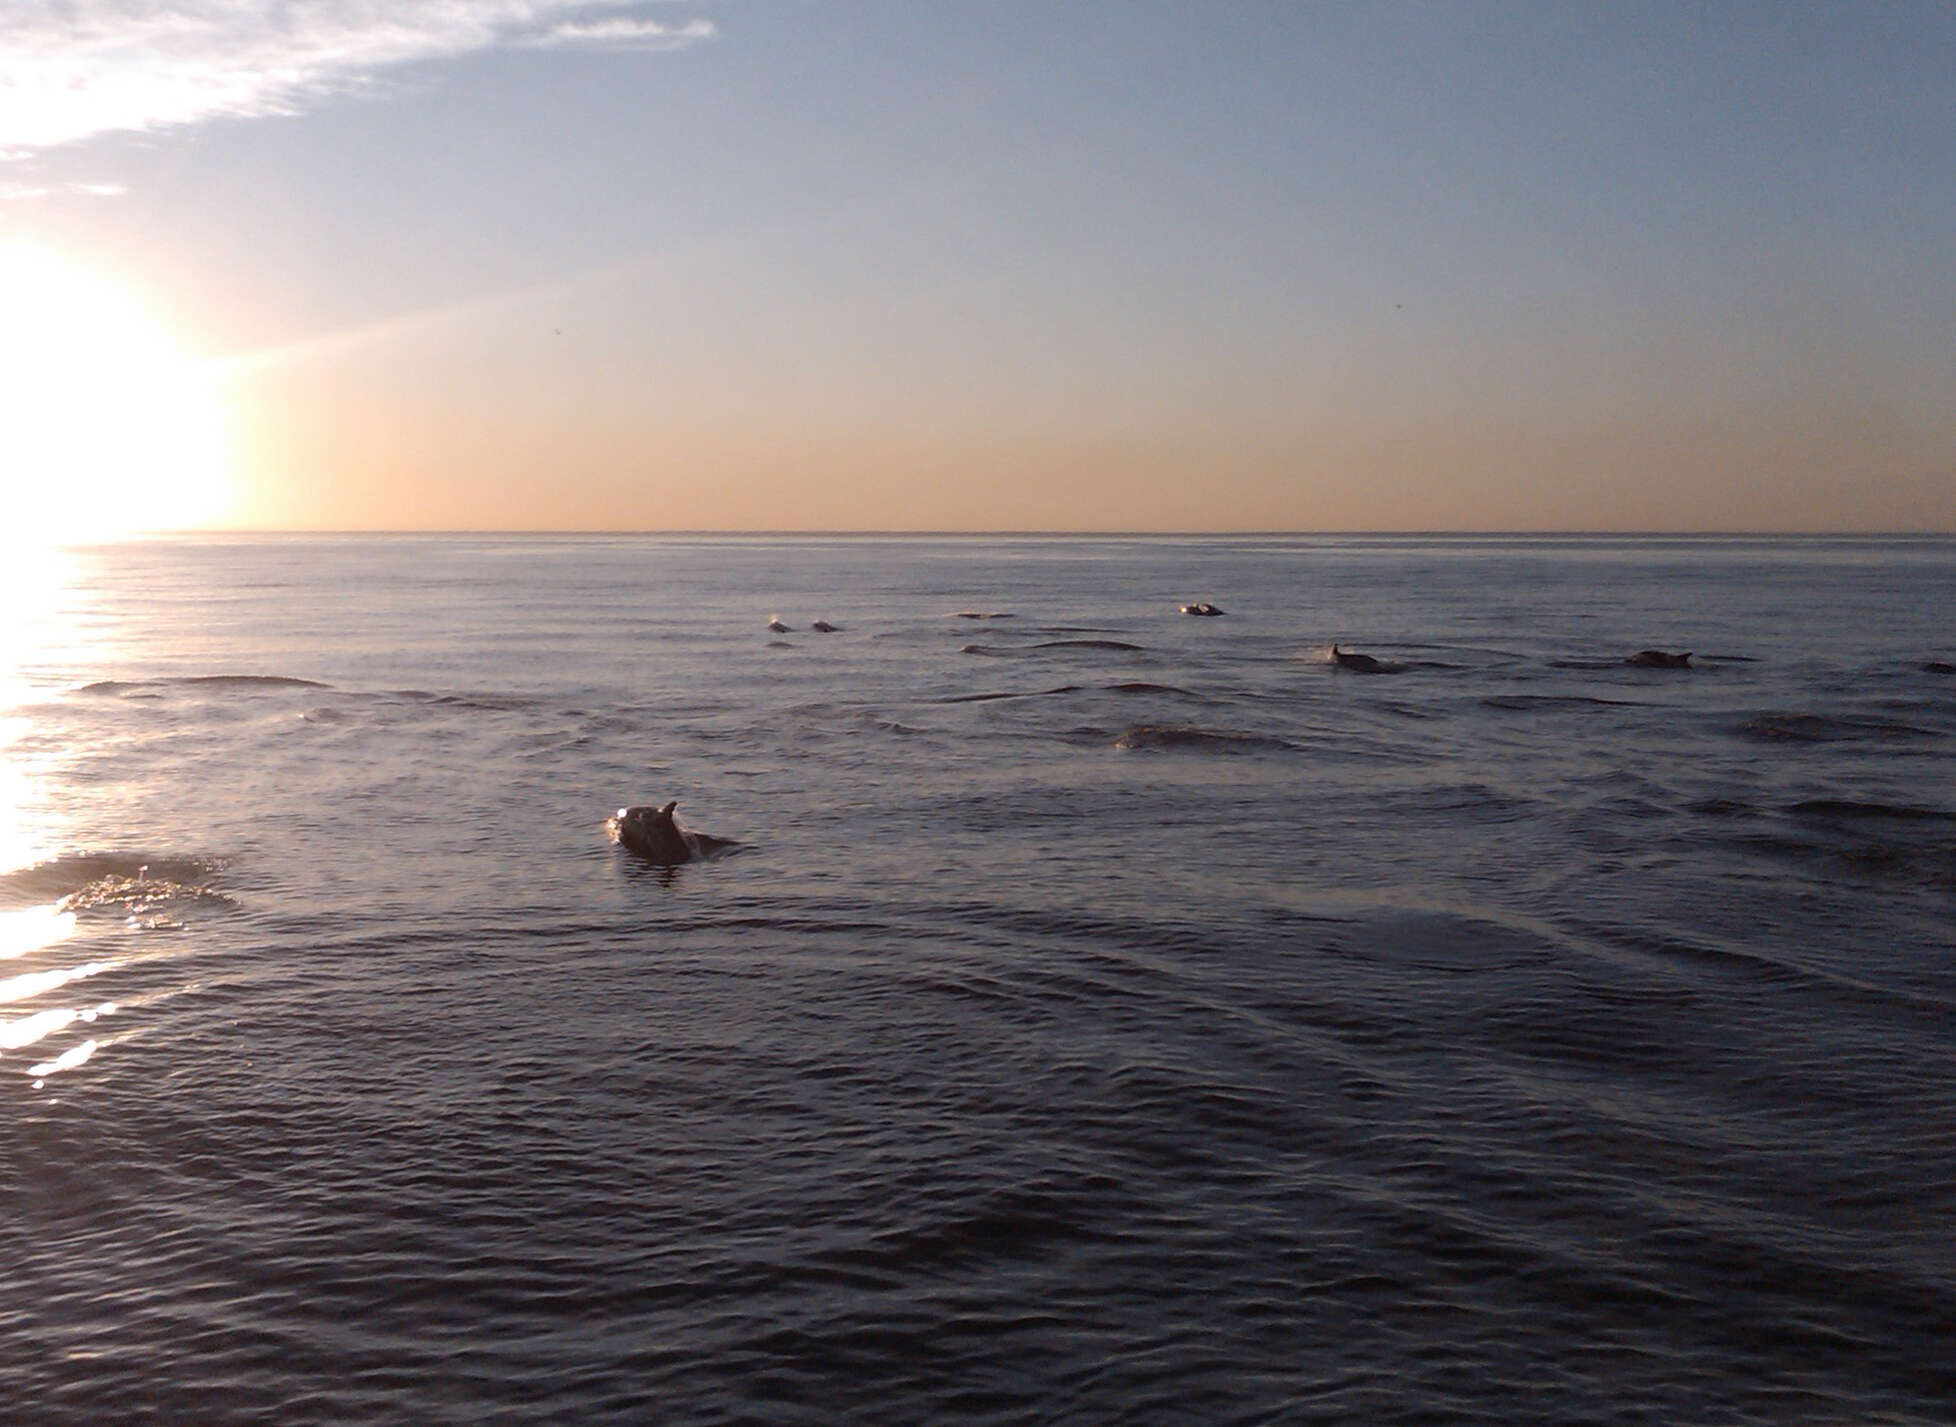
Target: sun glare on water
{"x": 107, "y": 426}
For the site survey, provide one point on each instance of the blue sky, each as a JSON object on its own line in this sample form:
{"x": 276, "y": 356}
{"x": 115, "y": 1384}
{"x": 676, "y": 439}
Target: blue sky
{"x": 1121, "y": 265}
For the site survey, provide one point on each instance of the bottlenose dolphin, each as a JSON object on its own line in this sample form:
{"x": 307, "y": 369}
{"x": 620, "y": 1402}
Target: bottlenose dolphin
{"x": 774, "y": 623}
{"x": 822, "y": 626}
{"x": 1203, "y": 608}
{"x": 1658, "y": 659}
{"x": 653, "y": 834}
{"x": 1358, "y": 663}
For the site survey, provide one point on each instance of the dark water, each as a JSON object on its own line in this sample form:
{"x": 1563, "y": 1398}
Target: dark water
{"x": 1107, "y": 1016}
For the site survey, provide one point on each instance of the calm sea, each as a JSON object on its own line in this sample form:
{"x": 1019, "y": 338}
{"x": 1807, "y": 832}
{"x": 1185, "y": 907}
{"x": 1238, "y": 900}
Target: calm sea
{"x": 1106, "y": 1016}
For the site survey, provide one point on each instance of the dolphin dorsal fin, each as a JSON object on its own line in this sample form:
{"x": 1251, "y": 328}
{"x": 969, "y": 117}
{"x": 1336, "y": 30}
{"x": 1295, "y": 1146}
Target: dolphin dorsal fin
{"x": 665, "y": 813}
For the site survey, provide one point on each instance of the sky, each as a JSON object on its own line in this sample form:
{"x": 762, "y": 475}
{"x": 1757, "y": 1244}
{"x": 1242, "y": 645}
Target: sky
{"x": 1104, "y": 265}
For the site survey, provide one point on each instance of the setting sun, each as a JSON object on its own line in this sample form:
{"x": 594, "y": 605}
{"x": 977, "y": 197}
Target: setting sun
{"x": 106, "y": 425}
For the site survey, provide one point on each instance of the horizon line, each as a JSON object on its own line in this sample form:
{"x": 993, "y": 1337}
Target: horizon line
{"x": 1042, "y": 534}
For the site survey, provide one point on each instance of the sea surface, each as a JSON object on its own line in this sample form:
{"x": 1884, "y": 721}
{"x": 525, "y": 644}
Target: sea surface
{"x": 1106, "y": 1015}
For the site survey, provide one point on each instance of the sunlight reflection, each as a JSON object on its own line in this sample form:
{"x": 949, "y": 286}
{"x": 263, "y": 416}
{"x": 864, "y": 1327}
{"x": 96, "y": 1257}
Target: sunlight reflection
{"x": 30, "y": 1030}
{"x": 19, "y": 844}
{"x": 39, "y": 1026}
{"x": 44, "y": 637}
{"x": 67, "y": 1060}
{"x": 17, "y": 848}
{"x": 32, "y": 929}
{"x": 28, "y": 985}
{"x": 33, "y": 579}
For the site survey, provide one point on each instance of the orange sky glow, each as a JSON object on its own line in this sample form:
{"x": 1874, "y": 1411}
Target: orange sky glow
{"x": 801, "y": 268}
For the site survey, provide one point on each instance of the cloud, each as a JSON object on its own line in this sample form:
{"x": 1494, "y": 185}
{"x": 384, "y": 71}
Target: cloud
{"x": 19, "y": 192}
{"x": 72, "y": 69}
{"x": 622, "y": 34}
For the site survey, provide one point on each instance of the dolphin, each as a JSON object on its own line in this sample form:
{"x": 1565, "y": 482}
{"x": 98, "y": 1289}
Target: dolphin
{"x": 822, "y": 626}
{"x": 774, "y": 623}
{"x": 1658, "y": 659}
{"x": 1359, "y": 663}
{"x": 1204, "y": 608}
{"x": 653, "y": 834}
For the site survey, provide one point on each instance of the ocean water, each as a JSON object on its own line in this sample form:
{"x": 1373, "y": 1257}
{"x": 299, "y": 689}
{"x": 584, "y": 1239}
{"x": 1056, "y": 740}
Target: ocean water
{"x": 1105, "y": 1016}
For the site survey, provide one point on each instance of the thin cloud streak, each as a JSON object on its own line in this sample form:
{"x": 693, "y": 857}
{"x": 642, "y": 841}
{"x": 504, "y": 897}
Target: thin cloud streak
{"x": 73, "y": 69}
{"x": 623, "y": 34}
{"x": 406, "y": 324}
{"x": 22, "y": 192}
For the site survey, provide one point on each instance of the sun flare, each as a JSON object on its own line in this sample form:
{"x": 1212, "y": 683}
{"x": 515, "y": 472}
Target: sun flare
{"x": 107, "y": 426}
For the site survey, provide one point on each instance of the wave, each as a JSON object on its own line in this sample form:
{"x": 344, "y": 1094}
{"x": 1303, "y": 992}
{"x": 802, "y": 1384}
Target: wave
{"x": 1162, "y": 736}
{"x": 1008, "y": 694}
{"x": 1840, "y": 849}
{"x": 983, "y": 614}
{"x": 1522, "y": 702}
{"x": 1721, "y": 808}
{"x": 993, "y": 651}
{"x": 1594, "y": 665}
{"x": 1012, "y": 1224}
{"x": 250, "y": 683}
{"x": 208, "y": 681}
{"x": 123, "y": 884}
{"x": 1398, "y": 710}
{"x": 1904, "y": 843}
{"x": 1475, "y": 800}
{"x": 1826, "y": 728}
{"x": 1142, "y": 686}
{"x": 72, "y": 871}
{"x": 488, "y": 702}
{"x": 142, "y": 896}
{"x": 1846, "y": 809}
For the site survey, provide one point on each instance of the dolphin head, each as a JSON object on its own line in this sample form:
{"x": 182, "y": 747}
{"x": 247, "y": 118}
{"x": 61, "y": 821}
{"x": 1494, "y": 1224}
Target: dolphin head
{"x": 652, "y": 833}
